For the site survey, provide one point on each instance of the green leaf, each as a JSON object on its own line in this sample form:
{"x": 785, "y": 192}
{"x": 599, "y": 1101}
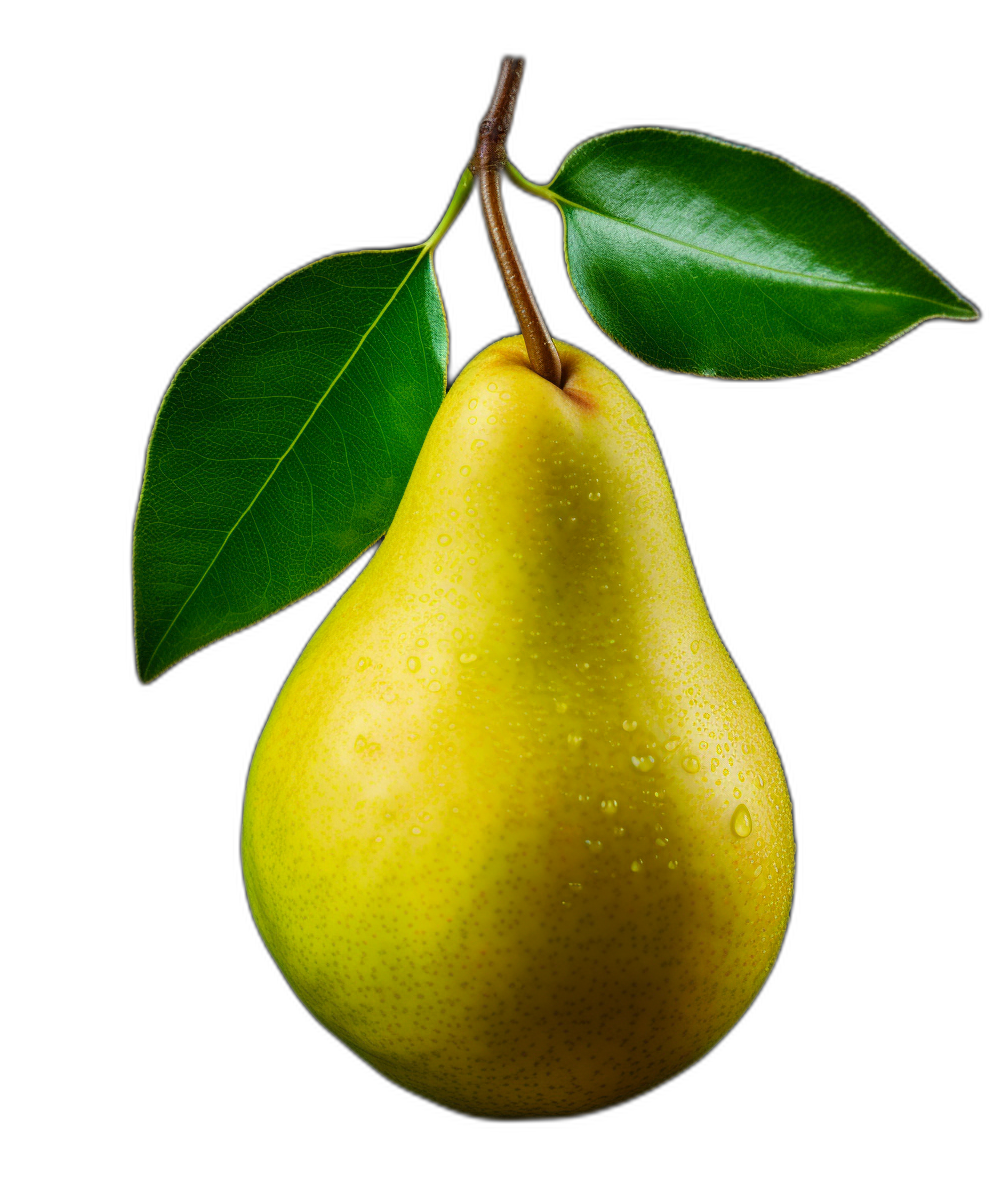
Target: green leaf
{"x": 704, "y": 256}
{"x": 283, "y": 446}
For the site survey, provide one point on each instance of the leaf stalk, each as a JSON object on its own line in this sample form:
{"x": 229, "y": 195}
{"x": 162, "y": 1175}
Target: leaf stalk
{"x": 522, "y": 182}
{"x": 458, "y": 201}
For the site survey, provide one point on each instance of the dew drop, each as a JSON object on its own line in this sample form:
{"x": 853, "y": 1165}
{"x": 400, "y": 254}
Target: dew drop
{"x": 561, "y": 708}
{"x": 758, "y": 871}
{"x": 759, "y": 781}
{"x": 465, "y": 659}
{"x": 673, "y": 864}
{"x": 465, "y": 470}
{"x": 444, "y": 539}
{"x": 473, "y": 404}
{"x": 378, "y": 838}
{"x": 572, "y": 740}
{"x": 661, "y": 842}
{"x": 472, "y": 418}
{"x": 694, "y": 646}
{"x": 737, "y": 792}
{"x": 434, "y": 686}
{"x": 629, "y": 725}
{"x": 610, "y": 806}
{"x": 421, "y": 643}
{"x": 413, "y": 664}
{"x": 741, "y": 822}
{"x": 576, "y": 887}
{"x": 690, "y": 764}
{"x": 360, "y": 744}
{"x": 416, "y": 830}
{"x": 643, "y": 764}
{"x": 478, "y": 444}
{"x": 593, "y": 844}
{"x": 637, "y": 866}
{"x": 594, "y": 495}
{"x": 363, "y": 663}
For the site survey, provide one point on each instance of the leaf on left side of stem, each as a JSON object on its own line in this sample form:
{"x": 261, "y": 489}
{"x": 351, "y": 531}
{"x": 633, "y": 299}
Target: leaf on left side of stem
{"x": 283, "y": 445}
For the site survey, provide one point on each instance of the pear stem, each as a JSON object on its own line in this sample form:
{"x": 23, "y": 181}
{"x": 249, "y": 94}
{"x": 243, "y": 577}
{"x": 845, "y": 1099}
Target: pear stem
{"x": 488, "y": 159}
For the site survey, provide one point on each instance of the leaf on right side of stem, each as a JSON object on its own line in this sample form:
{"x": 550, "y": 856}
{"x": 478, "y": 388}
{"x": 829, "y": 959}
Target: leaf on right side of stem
{"x": 700, "y": 255}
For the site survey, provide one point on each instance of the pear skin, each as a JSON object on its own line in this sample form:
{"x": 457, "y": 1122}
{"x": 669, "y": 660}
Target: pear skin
{"x": 516, "y": 831}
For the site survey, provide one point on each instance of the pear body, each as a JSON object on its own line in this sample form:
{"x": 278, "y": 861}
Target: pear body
{"x": 516, "y": 831}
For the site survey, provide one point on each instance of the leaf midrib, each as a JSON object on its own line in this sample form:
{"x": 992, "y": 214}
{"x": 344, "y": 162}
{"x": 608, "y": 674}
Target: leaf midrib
{"x": 803, "y": 275}
{"x": 424, "y": 250}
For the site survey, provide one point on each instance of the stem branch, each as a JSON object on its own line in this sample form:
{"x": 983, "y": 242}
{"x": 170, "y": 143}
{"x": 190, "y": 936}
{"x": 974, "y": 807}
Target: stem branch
{"x": 488, "y": 159}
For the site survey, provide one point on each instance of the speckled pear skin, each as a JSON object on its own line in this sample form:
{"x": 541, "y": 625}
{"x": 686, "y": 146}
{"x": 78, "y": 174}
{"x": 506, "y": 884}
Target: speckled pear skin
{"x": 515, "y": 830}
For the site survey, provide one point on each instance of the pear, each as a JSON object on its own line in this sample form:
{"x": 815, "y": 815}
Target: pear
{"x": 516, "y": 831}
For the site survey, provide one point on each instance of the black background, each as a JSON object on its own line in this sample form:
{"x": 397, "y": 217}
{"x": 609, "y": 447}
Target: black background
{"x": 852, "y": 501}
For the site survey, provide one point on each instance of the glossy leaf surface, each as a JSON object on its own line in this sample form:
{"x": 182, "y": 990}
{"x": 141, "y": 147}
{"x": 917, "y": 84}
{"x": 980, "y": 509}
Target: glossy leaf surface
{"x": 704, "y": 256}
{"x": 283, "y": 446}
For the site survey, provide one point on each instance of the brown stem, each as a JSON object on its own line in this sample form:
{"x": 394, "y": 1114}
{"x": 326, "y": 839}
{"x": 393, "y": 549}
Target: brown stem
{"x": 487, "y": 161}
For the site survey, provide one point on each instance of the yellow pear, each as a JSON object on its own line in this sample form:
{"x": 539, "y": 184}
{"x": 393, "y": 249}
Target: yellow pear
{"x": 515, "y": 830}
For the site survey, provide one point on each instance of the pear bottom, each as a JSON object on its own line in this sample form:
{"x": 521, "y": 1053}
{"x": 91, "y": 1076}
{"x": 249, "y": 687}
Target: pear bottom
{"x": 516, "y": 831}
